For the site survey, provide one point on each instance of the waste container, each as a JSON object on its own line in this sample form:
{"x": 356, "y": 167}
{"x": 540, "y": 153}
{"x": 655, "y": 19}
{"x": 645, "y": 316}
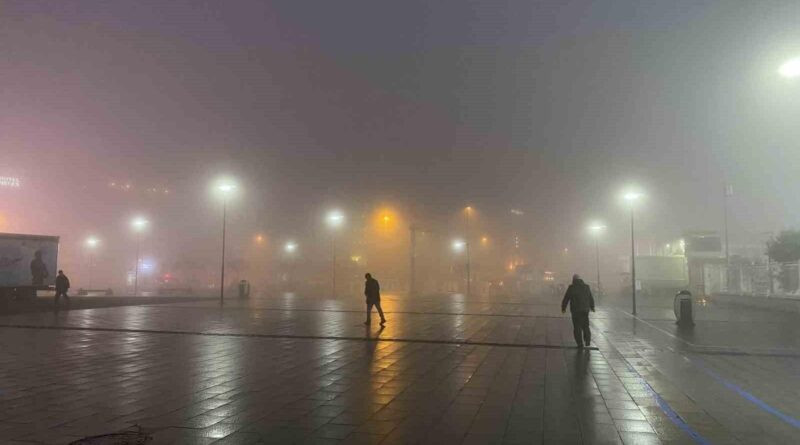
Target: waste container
{"x": 244, "y": 289}
{"x": 682, "y": 306}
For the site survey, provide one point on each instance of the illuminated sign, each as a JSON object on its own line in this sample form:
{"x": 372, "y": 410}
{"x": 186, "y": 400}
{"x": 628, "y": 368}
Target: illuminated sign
{"x": 9, "y": 181}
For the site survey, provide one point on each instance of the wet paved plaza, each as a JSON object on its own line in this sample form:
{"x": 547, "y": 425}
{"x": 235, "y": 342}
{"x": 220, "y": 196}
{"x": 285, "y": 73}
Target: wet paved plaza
{"x": 445, "y": 370}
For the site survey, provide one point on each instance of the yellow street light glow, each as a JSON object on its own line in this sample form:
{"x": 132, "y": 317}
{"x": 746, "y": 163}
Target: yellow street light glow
{"x": 259, "y": 239}
{"x": 790, "y": 69}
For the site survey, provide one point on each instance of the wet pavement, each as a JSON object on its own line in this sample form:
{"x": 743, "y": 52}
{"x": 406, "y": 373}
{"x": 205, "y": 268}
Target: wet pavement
{"x": 444, "y": 370}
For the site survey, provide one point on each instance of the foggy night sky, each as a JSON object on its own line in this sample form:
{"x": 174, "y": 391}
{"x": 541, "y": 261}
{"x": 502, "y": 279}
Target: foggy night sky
{"x": 549, "y": 106}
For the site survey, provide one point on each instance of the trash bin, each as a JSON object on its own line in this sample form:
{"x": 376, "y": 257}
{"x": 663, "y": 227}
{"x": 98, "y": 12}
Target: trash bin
{"x": 683, "y": 307}
{"x": 244, "y": 289}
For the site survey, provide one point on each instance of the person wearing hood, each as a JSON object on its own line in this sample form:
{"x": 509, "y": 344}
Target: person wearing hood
{"x": 580, "y": 301}
{"x": 372, "y": 290}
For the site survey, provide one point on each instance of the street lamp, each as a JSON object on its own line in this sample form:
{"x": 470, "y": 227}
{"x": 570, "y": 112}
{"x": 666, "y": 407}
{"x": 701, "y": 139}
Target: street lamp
{"x": 790, "y": 69}
{"x": 458, "y": 246}
{"x": 91, "y": 245}
{"x": 468, "y": 214}
{"x": 334, "y": 219}
{"x": 290, "y": 248}
{"x": 596, "y": 228}
{"x": 225, "y": 188}
{"x": 631, "y": 197}
{"x": 139, "y": 224}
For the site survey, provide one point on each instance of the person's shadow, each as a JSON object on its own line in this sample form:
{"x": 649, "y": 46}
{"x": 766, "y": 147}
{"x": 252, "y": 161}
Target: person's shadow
{"x": 371, "y": 340}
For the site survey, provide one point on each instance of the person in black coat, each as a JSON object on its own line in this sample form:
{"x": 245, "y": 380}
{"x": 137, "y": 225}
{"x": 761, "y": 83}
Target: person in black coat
{"x": 580, "y": 301}
{"x": 372, "y": 290}
{"x": 62, "y": 286}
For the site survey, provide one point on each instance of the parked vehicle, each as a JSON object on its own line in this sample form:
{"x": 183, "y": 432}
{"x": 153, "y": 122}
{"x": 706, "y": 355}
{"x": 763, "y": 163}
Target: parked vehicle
{"x": 27, "y": 263}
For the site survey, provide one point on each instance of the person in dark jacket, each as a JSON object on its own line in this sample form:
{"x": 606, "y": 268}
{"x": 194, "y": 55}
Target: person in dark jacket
{"x": 580, "y": 301}
{"x": 62, "y": 286}
{"x": 372, "y": 290}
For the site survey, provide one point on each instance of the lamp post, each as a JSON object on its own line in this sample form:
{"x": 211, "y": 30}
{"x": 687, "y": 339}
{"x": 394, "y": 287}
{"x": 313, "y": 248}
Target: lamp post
{"x": 138, "y": 224}
{"x": 225, "y": 189}
{"x": 631, "y": 197}
{"x": 290, "y": 248}
{"x": 468, "y": 214}
{"x": 334, "y": 219}
{"x": 459, "y": 246}
{"x": 91, "y": 245}
{"x": 596, "y": 228}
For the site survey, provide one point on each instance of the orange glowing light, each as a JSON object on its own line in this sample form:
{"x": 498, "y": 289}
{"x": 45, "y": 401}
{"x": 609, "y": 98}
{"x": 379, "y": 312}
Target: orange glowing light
{"x": 385, "y": 220}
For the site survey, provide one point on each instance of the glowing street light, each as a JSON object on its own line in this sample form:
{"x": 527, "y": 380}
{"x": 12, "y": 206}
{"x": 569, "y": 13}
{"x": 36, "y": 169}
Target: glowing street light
{"x": 458, "y": 245}
{"x": 596, "y": 228}
{"x": 632, "y": 197}
{"x": 290, "y": 248}
{"x": 91, "y": 245}
{"x": 139, "y": 224}
{"x": 334, "y": 219}
{"x": 790, "y": 69}
{"x": 225, "y": 188}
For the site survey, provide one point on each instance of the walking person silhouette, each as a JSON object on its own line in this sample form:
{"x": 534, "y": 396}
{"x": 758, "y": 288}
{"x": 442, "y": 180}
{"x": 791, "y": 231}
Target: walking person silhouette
{"x": 372, "y": 290}
{"x": 580, "y": 300}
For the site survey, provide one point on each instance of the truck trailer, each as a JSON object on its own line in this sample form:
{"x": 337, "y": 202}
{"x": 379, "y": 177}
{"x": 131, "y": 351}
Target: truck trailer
{"x": 28, "y": 263}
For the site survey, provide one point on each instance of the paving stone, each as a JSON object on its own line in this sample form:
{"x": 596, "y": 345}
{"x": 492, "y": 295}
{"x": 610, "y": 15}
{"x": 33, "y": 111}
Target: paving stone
{"x": 273, "y": 371}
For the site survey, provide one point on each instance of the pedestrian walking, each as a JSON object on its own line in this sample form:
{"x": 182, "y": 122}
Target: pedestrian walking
{"x": 580, "y": 301}
{"x": 62, "y": 286}
{"x": 372, "y": 290}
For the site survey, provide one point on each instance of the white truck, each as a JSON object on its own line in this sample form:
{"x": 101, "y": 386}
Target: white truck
{"x": 27, "y": 263}
{"x": 662, "y": 275}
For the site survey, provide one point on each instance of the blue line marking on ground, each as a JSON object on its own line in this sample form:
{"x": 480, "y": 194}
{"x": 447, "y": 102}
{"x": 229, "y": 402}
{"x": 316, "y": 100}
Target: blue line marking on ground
{"x": 670, "y": 413}
{"x": 737, "y": 389}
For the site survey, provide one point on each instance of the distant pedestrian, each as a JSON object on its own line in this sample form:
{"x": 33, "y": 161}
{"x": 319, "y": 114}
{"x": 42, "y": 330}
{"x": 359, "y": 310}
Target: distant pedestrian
{"x": 62, "y": 286}
{"x": 372, "y": 290}
{"x": 580, "y": 300}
